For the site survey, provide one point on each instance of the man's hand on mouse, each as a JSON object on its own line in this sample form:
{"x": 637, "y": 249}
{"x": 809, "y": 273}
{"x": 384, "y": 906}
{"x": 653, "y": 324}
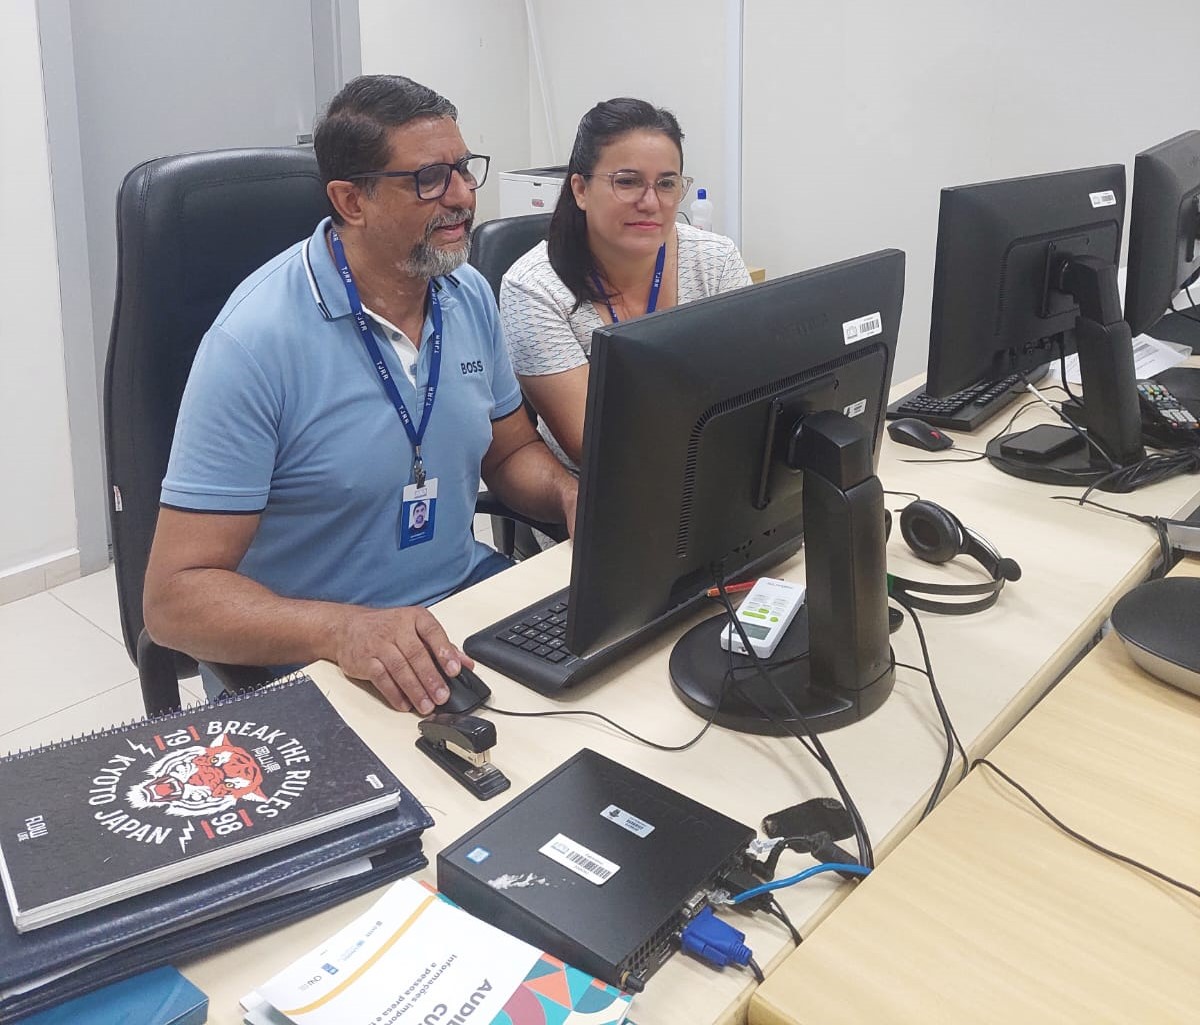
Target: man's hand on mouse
{"x": 399, "y": 651}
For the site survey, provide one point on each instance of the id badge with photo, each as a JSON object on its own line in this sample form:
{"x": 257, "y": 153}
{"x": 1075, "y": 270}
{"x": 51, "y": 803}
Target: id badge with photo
{"x": 417, "y": 513}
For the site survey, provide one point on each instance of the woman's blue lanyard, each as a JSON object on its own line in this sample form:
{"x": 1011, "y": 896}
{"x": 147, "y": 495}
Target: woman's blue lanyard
{"x": 415, "y": 435}
{"x": 655, "y": 284}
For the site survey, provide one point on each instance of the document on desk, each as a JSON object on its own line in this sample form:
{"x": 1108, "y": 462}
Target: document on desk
{"x": 1150, "y": 356}
{"x": 416, "y": 958}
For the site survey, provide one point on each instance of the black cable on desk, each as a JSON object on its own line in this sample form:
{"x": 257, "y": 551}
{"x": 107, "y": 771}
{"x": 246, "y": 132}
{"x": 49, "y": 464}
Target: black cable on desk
{"x": 947, "y": 726}
{"x": 1062, "y": 371}
{"x": 972, "y": 457}
{"x": 1079, "y": 836}
{"x": 758, "y": 973}
{"x": 1152, "y": 469}
{"x": 953, "y": 733}
{"x": 865, "y": 852}
{"x": 1154, "y": 522}
{"x": 775, "y": 908}
{"x": 731, "y": 675}
{"x": 758, "y": 666}
{"x": 615, "y": 725}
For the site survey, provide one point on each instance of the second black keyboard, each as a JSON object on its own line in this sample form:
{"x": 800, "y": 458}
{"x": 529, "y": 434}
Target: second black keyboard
{"x": 968, "y": 409}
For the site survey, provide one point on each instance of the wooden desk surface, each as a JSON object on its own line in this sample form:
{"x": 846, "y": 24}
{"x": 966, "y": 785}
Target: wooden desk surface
{"x": 989, "y": 913}
{"x": 991, "y": 667}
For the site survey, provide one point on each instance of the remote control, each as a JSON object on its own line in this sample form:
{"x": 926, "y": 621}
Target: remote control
{"x": 765, "y": 614}
{"x": 1161, "y": 409}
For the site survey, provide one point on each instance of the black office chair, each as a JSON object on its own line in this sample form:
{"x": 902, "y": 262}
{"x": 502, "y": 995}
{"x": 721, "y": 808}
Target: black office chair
{"x": 495, "y": 246}
{"x": 189, "y": 229}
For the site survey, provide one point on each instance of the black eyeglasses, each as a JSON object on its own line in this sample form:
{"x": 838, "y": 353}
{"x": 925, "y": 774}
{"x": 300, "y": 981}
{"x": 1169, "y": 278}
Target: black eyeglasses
{"x": 433, "y": 180}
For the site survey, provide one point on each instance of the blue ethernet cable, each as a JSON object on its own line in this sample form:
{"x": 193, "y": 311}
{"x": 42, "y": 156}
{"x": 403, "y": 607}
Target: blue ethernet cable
{"x": 778, "y": 884}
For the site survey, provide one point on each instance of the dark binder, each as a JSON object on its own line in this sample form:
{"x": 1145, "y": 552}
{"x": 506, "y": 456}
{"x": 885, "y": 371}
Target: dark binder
{"x": 98, "y": 819}
{"x": 197, "y": 915}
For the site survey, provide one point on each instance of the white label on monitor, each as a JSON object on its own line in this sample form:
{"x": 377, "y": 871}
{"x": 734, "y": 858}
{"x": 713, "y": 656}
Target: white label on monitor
{"x": 593, "y": 867}
{"x": 855, "y": 408}
{"x": 864, "y": 327}
{"x": 626, "y": 821}
{"x": 1107, "y": 198}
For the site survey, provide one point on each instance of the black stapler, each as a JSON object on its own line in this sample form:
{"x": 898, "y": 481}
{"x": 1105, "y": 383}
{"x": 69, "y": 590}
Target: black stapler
{"x": 461, "y": 744}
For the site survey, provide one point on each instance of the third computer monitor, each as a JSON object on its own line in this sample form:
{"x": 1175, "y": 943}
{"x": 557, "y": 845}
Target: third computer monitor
{"x": 1164, "y": 229}
{"x": 1026, "y": 272}
{"x": 995, "y": 312}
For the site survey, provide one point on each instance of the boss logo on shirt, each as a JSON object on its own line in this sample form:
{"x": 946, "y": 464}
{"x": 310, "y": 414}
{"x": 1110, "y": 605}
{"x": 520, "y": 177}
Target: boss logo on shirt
{"x": 472, "y": 366}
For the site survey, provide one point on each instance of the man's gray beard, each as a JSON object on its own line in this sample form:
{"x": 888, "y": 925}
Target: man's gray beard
{"x": 429, "y": 261}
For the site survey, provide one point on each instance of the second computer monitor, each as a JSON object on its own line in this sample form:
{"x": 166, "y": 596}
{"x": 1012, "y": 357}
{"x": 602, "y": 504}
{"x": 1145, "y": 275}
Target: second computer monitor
{"x": 995, "y": 310}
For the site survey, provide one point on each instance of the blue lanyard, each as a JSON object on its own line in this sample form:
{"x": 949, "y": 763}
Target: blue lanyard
{"x": 415, "y": 435}
{"x": 655, "y": 284}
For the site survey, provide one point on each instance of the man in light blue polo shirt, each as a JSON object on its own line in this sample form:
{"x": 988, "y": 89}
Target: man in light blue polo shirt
{"x": 337, "y": 419}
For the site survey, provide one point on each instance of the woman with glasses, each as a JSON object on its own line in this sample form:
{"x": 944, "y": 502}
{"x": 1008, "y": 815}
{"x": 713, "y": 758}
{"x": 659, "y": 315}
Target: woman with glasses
{"x": 615, "y": 252}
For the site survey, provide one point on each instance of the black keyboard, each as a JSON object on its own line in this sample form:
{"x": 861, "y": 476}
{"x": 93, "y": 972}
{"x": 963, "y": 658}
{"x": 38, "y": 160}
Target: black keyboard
{"x": 529, "y": 647}
{"x": 540, "y": 632}
{"x": 968, "y": 409}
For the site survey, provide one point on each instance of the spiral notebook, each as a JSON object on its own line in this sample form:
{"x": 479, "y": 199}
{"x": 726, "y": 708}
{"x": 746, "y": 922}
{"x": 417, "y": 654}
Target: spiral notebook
{"x": 97, "y": 819}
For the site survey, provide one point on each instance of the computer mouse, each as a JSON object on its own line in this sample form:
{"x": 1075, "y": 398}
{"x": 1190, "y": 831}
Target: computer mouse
{"x": 1159, "y": 621}
{"x": 467, "y": 691}
{"x": 911, "y": 431}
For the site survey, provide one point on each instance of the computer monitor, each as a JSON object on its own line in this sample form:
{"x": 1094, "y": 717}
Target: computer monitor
{"x": 1164, "y": 229}
{"x": 1025, "y": 272}
{"x": 695, "y": 429}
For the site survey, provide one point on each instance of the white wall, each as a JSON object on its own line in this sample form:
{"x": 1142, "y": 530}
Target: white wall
{"x": 476, "y": 52}
{"x": 858, "y": 113}
{"x": 672, "y": 54}
{"x": 37, "y": 505}
{"x": 473, "y": 52}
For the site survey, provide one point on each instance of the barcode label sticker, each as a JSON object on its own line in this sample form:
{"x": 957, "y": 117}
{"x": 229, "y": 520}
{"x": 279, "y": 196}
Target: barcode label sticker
{"x": 1106, "y": 198}
{"x": 864, "y": 327}
{"x": 593, "y": 867}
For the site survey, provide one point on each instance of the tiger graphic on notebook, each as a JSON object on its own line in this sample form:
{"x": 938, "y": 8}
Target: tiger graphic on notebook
{"x": 200, "y": 780}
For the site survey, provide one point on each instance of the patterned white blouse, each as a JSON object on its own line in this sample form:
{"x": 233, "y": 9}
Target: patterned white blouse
{"x": 545, "y": 337}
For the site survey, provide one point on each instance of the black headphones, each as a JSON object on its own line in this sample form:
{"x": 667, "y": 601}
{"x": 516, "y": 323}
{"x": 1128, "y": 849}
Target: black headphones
{"x": 936, "y": 535}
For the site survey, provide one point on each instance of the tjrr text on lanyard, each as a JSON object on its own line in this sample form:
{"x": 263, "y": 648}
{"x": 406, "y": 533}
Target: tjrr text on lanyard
{"x": 655, "y": 284}
{"x": 417, "y": 434}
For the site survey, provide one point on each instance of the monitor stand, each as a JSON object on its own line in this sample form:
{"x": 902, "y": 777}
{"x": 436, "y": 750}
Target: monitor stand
{"x": 1112, "y": 418}
{"x": 835, "y": 664}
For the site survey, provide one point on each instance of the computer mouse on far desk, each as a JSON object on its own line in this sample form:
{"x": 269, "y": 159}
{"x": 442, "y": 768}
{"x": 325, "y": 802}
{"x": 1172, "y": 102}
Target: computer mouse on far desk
{"x": 911, "y": 431}
{"x": 467, "y": 691}
{"x": 1159, "y": 621}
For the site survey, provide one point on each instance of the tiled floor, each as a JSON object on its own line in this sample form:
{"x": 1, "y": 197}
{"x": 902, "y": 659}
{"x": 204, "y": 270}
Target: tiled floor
{"x": 63, "y": 666}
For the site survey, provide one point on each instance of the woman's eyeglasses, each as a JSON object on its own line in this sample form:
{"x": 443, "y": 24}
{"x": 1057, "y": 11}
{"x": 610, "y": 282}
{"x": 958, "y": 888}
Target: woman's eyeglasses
{"x": 629, "y": 186}
{"x": 433, "y": 180}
